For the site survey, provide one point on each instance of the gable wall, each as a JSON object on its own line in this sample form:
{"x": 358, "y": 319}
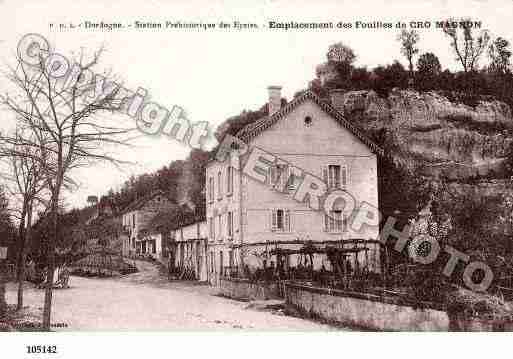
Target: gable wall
{"x": 309, "y": 148}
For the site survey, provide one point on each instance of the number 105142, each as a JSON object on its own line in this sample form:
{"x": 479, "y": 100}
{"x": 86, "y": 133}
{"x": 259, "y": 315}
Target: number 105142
{"x": 41, "y": 349}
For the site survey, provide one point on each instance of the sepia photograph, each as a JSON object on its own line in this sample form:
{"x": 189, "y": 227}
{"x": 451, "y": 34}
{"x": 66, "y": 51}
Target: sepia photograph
{"x": 275, "y": 166}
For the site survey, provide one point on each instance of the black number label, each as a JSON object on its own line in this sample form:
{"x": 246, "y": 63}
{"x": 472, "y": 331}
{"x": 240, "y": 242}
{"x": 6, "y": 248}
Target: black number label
{"x": 41, "y": 349}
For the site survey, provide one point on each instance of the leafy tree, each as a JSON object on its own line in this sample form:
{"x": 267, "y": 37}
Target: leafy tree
{"x": 428, "y": 71}
{"x": 360, "y": 78}
{"x": 389, "y": 77}
{"x": 408, "y": 41}
{"x": 500, "y": 54}
{"x": 466, "y": 43}
{"x": 428, "y": 64}
{"x": 402, "y": 191}
{"x": 198, "y": 160}
{"x": 340, "y": 53}
{"x": 341, "y": 57}
{"x": 234, "y": 124}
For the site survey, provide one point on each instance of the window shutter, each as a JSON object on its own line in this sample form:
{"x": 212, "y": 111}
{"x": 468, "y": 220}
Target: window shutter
{"x": 290, "y": 182}
{"x": 272, "y": 175}
{"x": 274, "y": 220}
{"x": 228, "y": 190}
{"x": 219, "y": 185}
{"x": 326, "y": 223}
{"x": 343, "y": 175}
{"x": 283, "y": 178}
{"x": 228, "y": 224}
{"x": 287, "y": 220}
{"x": 324, "y": 171}
{"x": 344, "y": 224}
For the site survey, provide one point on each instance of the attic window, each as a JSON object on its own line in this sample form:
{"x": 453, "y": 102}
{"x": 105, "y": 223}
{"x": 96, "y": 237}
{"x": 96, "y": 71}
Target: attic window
{"x": 308, "y": 121}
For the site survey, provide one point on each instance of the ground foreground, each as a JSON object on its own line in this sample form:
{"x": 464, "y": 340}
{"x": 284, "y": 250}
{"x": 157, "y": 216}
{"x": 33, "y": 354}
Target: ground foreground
{"x": 148, "y": 301}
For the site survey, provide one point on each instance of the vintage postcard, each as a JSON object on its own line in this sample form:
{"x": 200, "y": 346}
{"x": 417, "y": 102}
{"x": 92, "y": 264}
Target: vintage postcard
{"x": 327, "y": 166}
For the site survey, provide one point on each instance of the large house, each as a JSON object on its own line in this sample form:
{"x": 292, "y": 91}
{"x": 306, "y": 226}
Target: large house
{"x": 245, "y": 218}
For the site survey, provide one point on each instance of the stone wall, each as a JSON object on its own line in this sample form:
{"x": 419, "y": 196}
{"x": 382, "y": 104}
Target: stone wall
{"x": 364, "y": 311}
{"x": 245, "y": 290}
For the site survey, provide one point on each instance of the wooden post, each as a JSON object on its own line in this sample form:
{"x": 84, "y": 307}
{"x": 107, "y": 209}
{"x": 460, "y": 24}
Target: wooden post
{"x": 385, "y": 270}
{"x": 366, "y": 258}
{"x": 3, "y": 280}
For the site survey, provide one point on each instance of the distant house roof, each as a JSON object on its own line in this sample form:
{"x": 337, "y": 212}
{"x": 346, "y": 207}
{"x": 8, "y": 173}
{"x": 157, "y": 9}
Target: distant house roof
{"x": 253, "y": 129}
{"x": 174, "y": 218}
{"x": 139, "y": 203}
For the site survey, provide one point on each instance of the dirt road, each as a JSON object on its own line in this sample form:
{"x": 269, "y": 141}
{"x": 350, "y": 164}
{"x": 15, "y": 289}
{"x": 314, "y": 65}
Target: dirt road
{"x": 148, "y": 301}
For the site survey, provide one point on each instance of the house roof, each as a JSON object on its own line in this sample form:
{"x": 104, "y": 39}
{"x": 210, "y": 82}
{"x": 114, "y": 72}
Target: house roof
{"x": 253, "y": 129}
{"x": 139, "y": 203}
{"x": 173, "y": 219}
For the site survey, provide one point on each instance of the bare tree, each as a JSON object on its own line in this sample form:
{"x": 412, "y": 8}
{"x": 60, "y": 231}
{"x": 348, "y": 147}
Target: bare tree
{"x": 467, "y": 44}
{"x": 409, "y": 40}
{"x": 4, "y": 232}
{"x": 64, "y": 118}
{"x": 28, "y": 182}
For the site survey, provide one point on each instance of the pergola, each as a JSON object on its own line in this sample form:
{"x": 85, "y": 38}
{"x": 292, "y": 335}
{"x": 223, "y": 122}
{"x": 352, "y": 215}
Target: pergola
{"x": 337, "y": 252}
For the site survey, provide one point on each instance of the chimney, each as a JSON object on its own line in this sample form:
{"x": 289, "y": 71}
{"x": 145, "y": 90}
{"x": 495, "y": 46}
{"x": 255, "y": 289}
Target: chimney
{"x": 274, "y": 99}
{"x": 337, "y": 99}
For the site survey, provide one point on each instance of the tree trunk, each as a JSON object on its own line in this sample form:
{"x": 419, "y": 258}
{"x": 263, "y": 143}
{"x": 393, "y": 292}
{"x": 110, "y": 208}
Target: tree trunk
{"x": 47, "y": 308}
{"x": 3, "y": 304}
{"x": 21, "y": 236}
{"x": 23, "y": 257}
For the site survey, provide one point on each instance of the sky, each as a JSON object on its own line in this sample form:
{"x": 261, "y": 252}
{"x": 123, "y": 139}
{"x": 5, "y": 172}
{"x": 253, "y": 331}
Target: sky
{"x": 215, "y": 74}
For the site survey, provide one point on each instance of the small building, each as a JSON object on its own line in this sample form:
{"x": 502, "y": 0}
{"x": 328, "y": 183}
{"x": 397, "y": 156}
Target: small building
{"x": 152, "y": 244}
{"x": 188, "y": 249}
{"x": 136, "y": 219}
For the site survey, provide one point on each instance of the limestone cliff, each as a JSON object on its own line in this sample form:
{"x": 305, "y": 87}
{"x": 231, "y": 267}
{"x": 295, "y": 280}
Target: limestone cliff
{"x": 459, "y": 149}
{"x": 444, "y": 137}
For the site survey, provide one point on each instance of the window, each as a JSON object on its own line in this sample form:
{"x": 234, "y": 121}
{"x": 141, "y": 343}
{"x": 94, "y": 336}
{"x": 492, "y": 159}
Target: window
{"x": 336, "y": 222}
{"x": 219, "y": 223}
{"x": 280, "y": 221}
{"x": 133, "y": 220}
{"x": 229, "y": 181}
{"x": 212, "y": 262}
{"x": 229, "y": 224}
{"x": 308, "y": 121}
{"x": 281, "y": 177}
{"x": 336, "y": 176}
{"x": 220, "y": 186}
{"x": 211, "y": 189}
